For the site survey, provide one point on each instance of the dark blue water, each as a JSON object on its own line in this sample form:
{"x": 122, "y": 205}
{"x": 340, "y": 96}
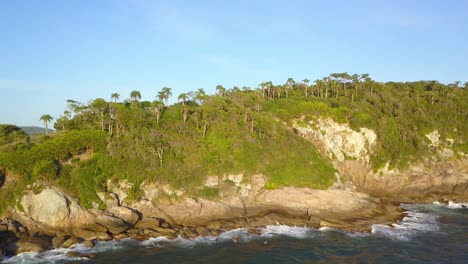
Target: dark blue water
{"x": 430, "y": 234}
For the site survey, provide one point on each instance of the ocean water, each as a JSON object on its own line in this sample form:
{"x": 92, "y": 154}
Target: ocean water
{"x": 431, "y": 233}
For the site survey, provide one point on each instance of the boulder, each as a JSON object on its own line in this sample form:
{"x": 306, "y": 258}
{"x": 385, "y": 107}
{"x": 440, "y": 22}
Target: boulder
{"x": 54, "y": 208}
{"x": 203, "y": 231}
{"x": 148, "y": 222}
{"x": 70, "y": 242}
{"x": 57, "y": 242}
{"x": 113, "y": 224}
{"x": 76, "y": 254}
{"x": 30, "y": 244}
{"x": 130, "y": 216}
{"x": 85, "y": 234}
{"x": 88, "y": 244}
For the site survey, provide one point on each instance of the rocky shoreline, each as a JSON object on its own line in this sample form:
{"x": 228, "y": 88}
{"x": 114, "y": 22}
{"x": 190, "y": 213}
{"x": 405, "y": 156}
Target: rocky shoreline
{"x": 53, "y": 219}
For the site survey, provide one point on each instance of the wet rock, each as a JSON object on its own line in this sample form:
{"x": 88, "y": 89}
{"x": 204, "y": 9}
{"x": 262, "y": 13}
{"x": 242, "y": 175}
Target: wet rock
{"x": 30, "y": 244}
{"x": 75, "y": 254}
{"x": 215, "y": 232}
{"x": 70, "y": 242}
{"x": 84, "y": 233}
{"x": 167, "y": 232}
{"x": 203, "y": 231}
{"x": 235, "y": 238}
{"x": 88, "y": 244}
{"x": 214, "y": 225}
{"x": 151, "y": 233}
{"x": 190, "y": 232}
{"x": 138, "y": 235}
{"x": 120, "y": 236}
{"x": 57, "y": 242}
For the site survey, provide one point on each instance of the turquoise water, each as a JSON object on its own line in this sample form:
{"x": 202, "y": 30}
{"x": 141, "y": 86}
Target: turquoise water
{"x": 429, "y": 234}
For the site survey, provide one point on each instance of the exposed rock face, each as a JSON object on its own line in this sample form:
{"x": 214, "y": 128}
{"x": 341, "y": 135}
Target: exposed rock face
{"x": 338, "y": 140}
{"x": 419, "y": 183}
{"x": 339, "y": 208}
{"x": 54, "y": 208}
{"x": 438, "y": 178}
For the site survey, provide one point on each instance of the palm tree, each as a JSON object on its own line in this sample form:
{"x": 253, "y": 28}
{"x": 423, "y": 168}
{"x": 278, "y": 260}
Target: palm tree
{"x": 135, "y": 95}
{"x": 262, "y": 87}
{"x": 115, "y": 97}
{"x": 289, "y": 85}
{"x": 167, "y": 92}
{"x": 268, "y": 85}
{"x": 46, "y": 118}
{"x": 200, "y": 95}
{"x": 220, "y": 89}
{"x": 157, "y": 108}
{"x": 183, "y": 97}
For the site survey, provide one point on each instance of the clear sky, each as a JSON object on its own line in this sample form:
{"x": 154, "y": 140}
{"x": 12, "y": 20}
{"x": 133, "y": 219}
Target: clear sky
{"x": 51, "y": 51}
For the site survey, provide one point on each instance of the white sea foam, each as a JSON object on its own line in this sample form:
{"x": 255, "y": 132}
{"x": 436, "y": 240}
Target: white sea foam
{"x": 453, "y": 205}
{"x": 50, "y": 256}
{"x": 291, "y": 231}
{"x": 413, "y": 224}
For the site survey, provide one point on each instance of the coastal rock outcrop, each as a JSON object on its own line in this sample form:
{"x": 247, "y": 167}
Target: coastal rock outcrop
{"x": 437, "y": 177}
{"x": 338, "y": 141}
{"x": 55, "y": 208}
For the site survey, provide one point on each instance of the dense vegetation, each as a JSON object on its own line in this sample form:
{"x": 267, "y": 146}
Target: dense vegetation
{"x": 235, "y": 131}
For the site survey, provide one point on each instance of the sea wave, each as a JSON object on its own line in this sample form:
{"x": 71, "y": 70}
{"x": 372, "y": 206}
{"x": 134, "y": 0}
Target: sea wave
{"x": 453, "y": 205}
{"x": 416, "y": 222}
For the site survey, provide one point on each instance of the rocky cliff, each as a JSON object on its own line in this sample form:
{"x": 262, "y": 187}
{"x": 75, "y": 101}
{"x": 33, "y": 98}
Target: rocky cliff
{"x": 442, "y": 176}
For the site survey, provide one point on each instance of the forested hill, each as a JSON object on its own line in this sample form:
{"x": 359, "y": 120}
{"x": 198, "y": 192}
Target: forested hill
{"x": 238, "y": 130}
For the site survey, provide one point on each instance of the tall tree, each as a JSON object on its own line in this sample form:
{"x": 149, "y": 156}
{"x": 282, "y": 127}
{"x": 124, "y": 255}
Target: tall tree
{"x": 115, "y": 97}
{"x": 46, "y": 118}
{"x": 183, "y": 97}
{"x": 289, "y": 85}
{"x": 220, "y": 90}
{"x": 199, "y": 95}
{"x": 157, "y": 108}
{"x": 305, "y": 82}
{"x": 135, "y": 95}
{"x": 167, "y": 93}
{"x": 99, "y": 105}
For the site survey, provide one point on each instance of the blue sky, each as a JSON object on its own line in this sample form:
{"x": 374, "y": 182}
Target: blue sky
{"x": 51, "y": 51}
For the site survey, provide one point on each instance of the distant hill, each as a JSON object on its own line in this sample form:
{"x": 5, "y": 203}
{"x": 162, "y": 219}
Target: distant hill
{"x": 34, "y": 130}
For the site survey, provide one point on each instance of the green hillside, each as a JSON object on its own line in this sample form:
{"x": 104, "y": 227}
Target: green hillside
{"x": 238, "y": 130}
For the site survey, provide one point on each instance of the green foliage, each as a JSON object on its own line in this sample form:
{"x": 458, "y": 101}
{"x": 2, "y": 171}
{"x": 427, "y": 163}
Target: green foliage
{"x": 45, "y": 170}
{"x": 209, "y": 193}
{"x": 236, "y": 131}
{"x": 10, "y": 134}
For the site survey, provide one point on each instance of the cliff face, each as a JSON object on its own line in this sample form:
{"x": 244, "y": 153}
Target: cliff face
{"x": 438, "y": 177}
